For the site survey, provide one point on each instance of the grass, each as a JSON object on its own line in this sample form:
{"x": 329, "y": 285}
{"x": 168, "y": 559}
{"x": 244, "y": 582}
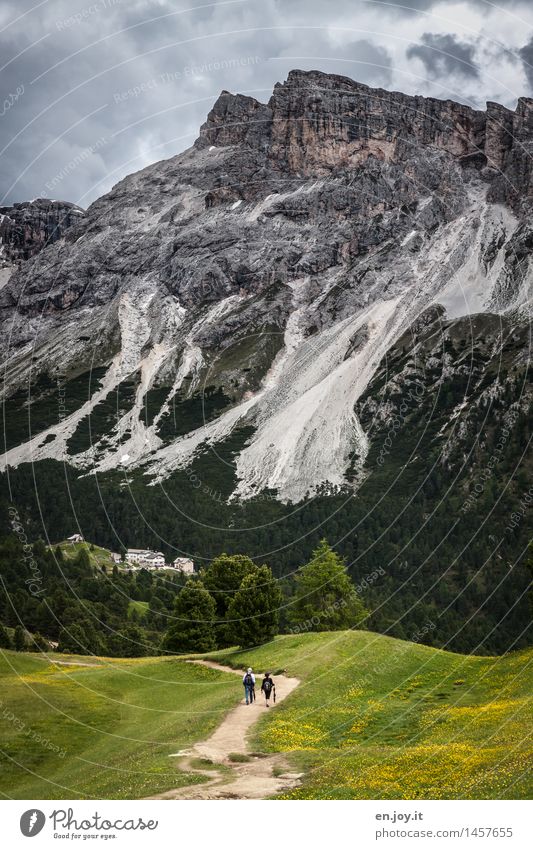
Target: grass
{"x": 98, "y": 556}
{"x": 373, "y": 717}
{"x": 379, "y": 718}
{"x": 239, "y": 758}
{"x": 104, "y": 731}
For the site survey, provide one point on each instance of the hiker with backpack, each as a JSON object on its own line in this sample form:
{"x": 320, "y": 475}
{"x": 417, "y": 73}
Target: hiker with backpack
{"x": 248, "y": 679}
{"x": 268, "y": 687}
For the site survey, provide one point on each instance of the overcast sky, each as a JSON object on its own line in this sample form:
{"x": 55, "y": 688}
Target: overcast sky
{"x": 95, "y": 90}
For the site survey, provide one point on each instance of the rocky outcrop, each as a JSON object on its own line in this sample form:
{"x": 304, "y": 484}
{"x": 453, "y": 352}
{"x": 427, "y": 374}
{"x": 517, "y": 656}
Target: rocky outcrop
{"x": 26, "y": 228}
{"x": 317, "y": 124}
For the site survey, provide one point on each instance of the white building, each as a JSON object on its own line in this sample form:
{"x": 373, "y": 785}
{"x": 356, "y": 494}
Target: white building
{"x": 75, "y": 538}
{"x": 184, "y": 564}
{"x": 146, "y": 558}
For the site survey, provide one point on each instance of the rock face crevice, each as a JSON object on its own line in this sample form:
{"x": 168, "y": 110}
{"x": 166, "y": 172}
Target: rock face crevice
{"x": 274, "y": 264}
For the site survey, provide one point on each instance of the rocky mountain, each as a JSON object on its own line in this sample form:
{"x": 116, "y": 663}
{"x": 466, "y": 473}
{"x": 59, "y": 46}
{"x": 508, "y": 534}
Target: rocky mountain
{"x": 258, "y": 282}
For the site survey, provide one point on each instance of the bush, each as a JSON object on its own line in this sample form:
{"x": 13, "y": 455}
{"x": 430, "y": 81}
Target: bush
{"x": 5, "y": 639}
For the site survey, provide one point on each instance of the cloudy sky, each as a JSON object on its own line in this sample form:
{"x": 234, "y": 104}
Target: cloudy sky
{"x": 96, "y": 89}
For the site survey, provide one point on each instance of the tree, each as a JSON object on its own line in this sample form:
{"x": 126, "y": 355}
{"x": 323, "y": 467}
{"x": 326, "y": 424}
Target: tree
{"x": 39, "y": 643}
{"x": 73, "y": 640}
{"x": 325, "y": 597}
{"x": 222, "y": 578}
{"x": 253, "y": 613}
{"x": 19, "y": 640}
{"x": 83, "y": 561}
{"x": 5, "y": 639}
{"x": 130, "y": 642}
{"x": 195, "y": 611}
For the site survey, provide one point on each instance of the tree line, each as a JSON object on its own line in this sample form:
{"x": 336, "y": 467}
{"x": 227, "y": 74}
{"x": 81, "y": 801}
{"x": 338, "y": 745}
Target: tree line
{"x": 80, "y": 608}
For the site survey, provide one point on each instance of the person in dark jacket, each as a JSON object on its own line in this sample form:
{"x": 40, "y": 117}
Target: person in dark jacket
{"x": 268, "y": 687}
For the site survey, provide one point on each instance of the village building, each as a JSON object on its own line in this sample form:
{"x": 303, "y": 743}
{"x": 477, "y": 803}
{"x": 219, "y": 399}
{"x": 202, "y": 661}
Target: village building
{"x": 145, "y": 558}
{"x": 184, "y": 564}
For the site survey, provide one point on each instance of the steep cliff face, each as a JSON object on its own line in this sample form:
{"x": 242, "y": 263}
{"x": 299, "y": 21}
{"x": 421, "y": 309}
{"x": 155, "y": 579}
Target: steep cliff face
{"x": 27, "y": 228}
{"x": 269, "y": 269}
{"x": 316, "y": 123}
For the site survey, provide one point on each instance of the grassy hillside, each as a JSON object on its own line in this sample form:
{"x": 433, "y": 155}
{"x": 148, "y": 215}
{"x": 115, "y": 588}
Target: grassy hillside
{"x": 373, "y": 717}
{"x": 104, "y": 731}
{"x": 98, "y": 556}
{"x": 376, "y": 717}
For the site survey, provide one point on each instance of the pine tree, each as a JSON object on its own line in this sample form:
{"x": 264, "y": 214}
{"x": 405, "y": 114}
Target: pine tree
{"x": 195, "y": 611}
{"x": 253, "y": 614}
{"x": 325, "y": 598}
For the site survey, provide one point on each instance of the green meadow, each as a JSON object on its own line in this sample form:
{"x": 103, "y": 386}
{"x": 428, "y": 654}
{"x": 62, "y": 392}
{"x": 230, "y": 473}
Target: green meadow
{"x": 104, "y": 731}
{"x": 373, "y": 717}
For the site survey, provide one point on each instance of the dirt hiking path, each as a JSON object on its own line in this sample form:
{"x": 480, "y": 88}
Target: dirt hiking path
{"x": 258, "y": 775}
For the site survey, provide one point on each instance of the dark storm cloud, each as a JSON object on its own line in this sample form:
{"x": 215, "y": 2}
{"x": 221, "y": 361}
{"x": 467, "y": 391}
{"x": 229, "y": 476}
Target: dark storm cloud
{"x": 444, "y": 54}
{"x": 526, "y": 54}
{"x": 360, "y": 59}
{"x": 369, "y": 62}
{"x": 115, "y": 84}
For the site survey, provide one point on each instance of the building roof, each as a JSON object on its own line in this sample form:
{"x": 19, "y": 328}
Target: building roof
{"x": 145, "y": 552}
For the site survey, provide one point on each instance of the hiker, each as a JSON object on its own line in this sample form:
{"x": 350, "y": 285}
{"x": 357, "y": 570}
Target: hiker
{"x": 248, "y": 679}
{"x": 268, "y": 687}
